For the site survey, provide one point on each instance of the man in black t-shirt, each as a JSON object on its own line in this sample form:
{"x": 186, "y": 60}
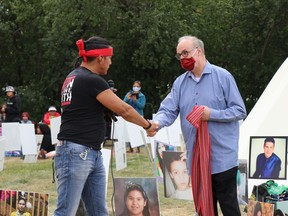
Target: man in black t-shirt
{"x": 84, "y": 97}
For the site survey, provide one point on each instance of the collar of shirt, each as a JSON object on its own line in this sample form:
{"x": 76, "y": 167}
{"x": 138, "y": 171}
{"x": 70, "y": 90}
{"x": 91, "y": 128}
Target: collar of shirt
{"x": 207, "y": 70}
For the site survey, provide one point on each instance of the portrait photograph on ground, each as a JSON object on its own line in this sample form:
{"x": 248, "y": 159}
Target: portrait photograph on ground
{"x": 177, "y": 182}
{"x": 256, "y": 208}
{"x": 242, "y": 183}
{"x": 268, "y": 157}
{"x": 135, "y": 196}
{"x": 13, "y": 203}
{"x": 160, "y": 147}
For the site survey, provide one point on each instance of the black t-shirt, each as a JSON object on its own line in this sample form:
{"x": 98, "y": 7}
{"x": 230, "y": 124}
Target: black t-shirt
{"x": 46, "y": 141}
{"x": 82, "y": 118}
{"x": 13, "y": 110}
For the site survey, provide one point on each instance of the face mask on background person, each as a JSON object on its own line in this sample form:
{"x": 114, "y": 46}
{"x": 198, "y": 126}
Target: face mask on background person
{"x": 136, "y": 89}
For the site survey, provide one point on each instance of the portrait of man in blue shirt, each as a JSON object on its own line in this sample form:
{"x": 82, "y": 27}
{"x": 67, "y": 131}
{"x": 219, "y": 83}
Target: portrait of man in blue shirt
{"x": 268, "y": 164}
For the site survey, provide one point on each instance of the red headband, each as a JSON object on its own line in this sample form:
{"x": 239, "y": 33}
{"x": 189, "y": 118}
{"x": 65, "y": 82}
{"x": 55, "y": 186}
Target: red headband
{"x": 92, "y": 53}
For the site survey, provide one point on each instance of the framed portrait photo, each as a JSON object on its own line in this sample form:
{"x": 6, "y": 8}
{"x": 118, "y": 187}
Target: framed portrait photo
{"x": 160, "y": 147}
{"x": 268, "y": 157}
{"x": 260, "y": 208}
{"x": 242, "y": 183}
{"x": 177, "y": 182}
{"x": 33, "y": 203}
{"x": 136, "y": 196}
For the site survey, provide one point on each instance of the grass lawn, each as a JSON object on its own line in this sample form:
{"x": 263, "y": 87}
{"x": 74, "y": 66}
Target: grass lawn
{"x": 37, "y": 177}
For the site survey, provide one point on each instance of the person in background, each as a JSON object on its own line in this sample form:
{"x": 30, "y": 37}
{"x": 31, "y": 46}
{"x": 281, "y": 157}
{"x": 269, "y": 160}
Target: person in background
{"x": 25, "y": 118}
{"x": 268, "y": 164}
{"x": 137, "y": 100}
{"x": 212, "y": 90}
{"x": 112, "y": 86}
{"x": 85, "y": 94}
{"x": 12, "y": 106}
{"x": 21, "y": 210}
{"x": 2, "y": 114}
{"x": 46, "y": 145}
{"x": 46, "y": 155}
{"x": 2, "y": 119}
{"x": 52, "y": 113}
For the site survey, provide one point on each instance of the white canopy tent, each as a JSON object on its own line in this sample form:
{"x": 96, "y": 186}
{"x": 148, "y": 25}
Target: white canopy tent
{"x": 269, "y": 117}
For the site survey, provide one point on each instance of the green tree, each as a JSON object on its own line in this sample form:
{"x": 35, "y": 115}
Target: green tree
{"x": 147, "y": 39}
{"x": 21, "y": 52}
{"x": 38, "y": 49}
{"x": 264, "y": 45}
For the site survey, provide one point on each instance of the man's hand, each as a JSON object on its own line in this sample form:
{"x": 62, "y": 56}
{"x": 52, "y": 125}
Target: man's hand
{"x": 206, "y": 114}
{"x": 153, "y": 129}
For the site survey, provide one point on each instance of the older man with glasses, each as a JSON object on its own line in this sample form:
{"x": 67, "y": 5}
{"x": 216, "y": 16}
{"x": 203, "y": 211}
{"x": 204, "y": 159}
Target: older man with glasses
{"x": 212, "y": 95}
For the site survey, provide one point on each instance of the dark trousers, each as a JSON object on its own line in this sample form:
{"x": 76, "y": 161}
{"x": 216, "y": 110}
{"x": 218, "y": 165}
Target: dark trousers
{"x": 224, "y": 188}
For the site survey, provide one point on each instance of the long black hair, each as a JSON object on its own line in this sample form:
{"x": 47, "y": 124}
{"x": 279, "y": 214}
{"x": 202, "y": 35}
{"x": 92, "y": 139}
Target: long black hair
{"x": 94, "y": 42}
{"x": 257, "y": 208}
{"x": 131, "y": 186}
{"x": 159, "y": 157}
{"x": 174, "y": 156}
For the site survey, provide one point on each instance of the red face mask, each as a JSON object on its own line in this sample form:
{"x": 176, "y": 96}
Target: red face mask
{"x": 188, "y": 63}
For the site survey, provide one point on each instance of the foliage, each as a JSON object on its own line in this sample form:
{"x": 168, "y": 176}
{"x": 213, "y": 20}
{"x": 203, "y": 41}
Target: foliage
{"x": 22, "y": 52}
{"x": 264, "y": 45}
{"x": 38, "y": 50}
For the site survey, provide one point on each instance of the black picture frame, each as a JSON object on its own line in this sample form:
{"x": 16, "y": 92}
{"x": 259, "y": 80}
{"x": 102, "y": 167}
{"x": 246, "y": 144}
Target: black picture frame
{"x": 256, "y": 149}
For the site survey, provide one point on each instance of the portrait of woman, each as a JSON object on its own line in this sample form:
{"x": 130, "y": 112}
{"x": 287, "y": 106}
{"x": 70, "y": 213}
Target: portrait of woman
{"x": 160, "y": 147}
{"x": 136, "y": 201}
{"x": 258, "y": 209}
{"x": 21, "y": 208}
{"x": 159, "y": 158}
{"x": 23, "y": 203}
{"x": 136, "y": 197}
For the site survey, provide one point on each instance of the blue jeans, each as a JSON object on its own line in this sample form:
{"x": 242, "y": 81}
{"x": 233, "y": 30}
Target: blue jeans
{"x": 80, "y": 178}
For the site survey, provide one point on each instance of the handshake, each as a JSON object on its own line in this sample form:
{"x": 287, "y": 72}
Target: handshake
{"x": 152, "y": 129}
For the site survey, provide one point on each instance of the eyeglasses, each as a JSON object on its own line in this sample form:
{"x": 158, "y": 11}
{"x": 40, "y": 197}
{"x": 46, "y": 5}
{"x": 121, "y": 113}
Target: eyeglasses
{"x": 184, "y": 53}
